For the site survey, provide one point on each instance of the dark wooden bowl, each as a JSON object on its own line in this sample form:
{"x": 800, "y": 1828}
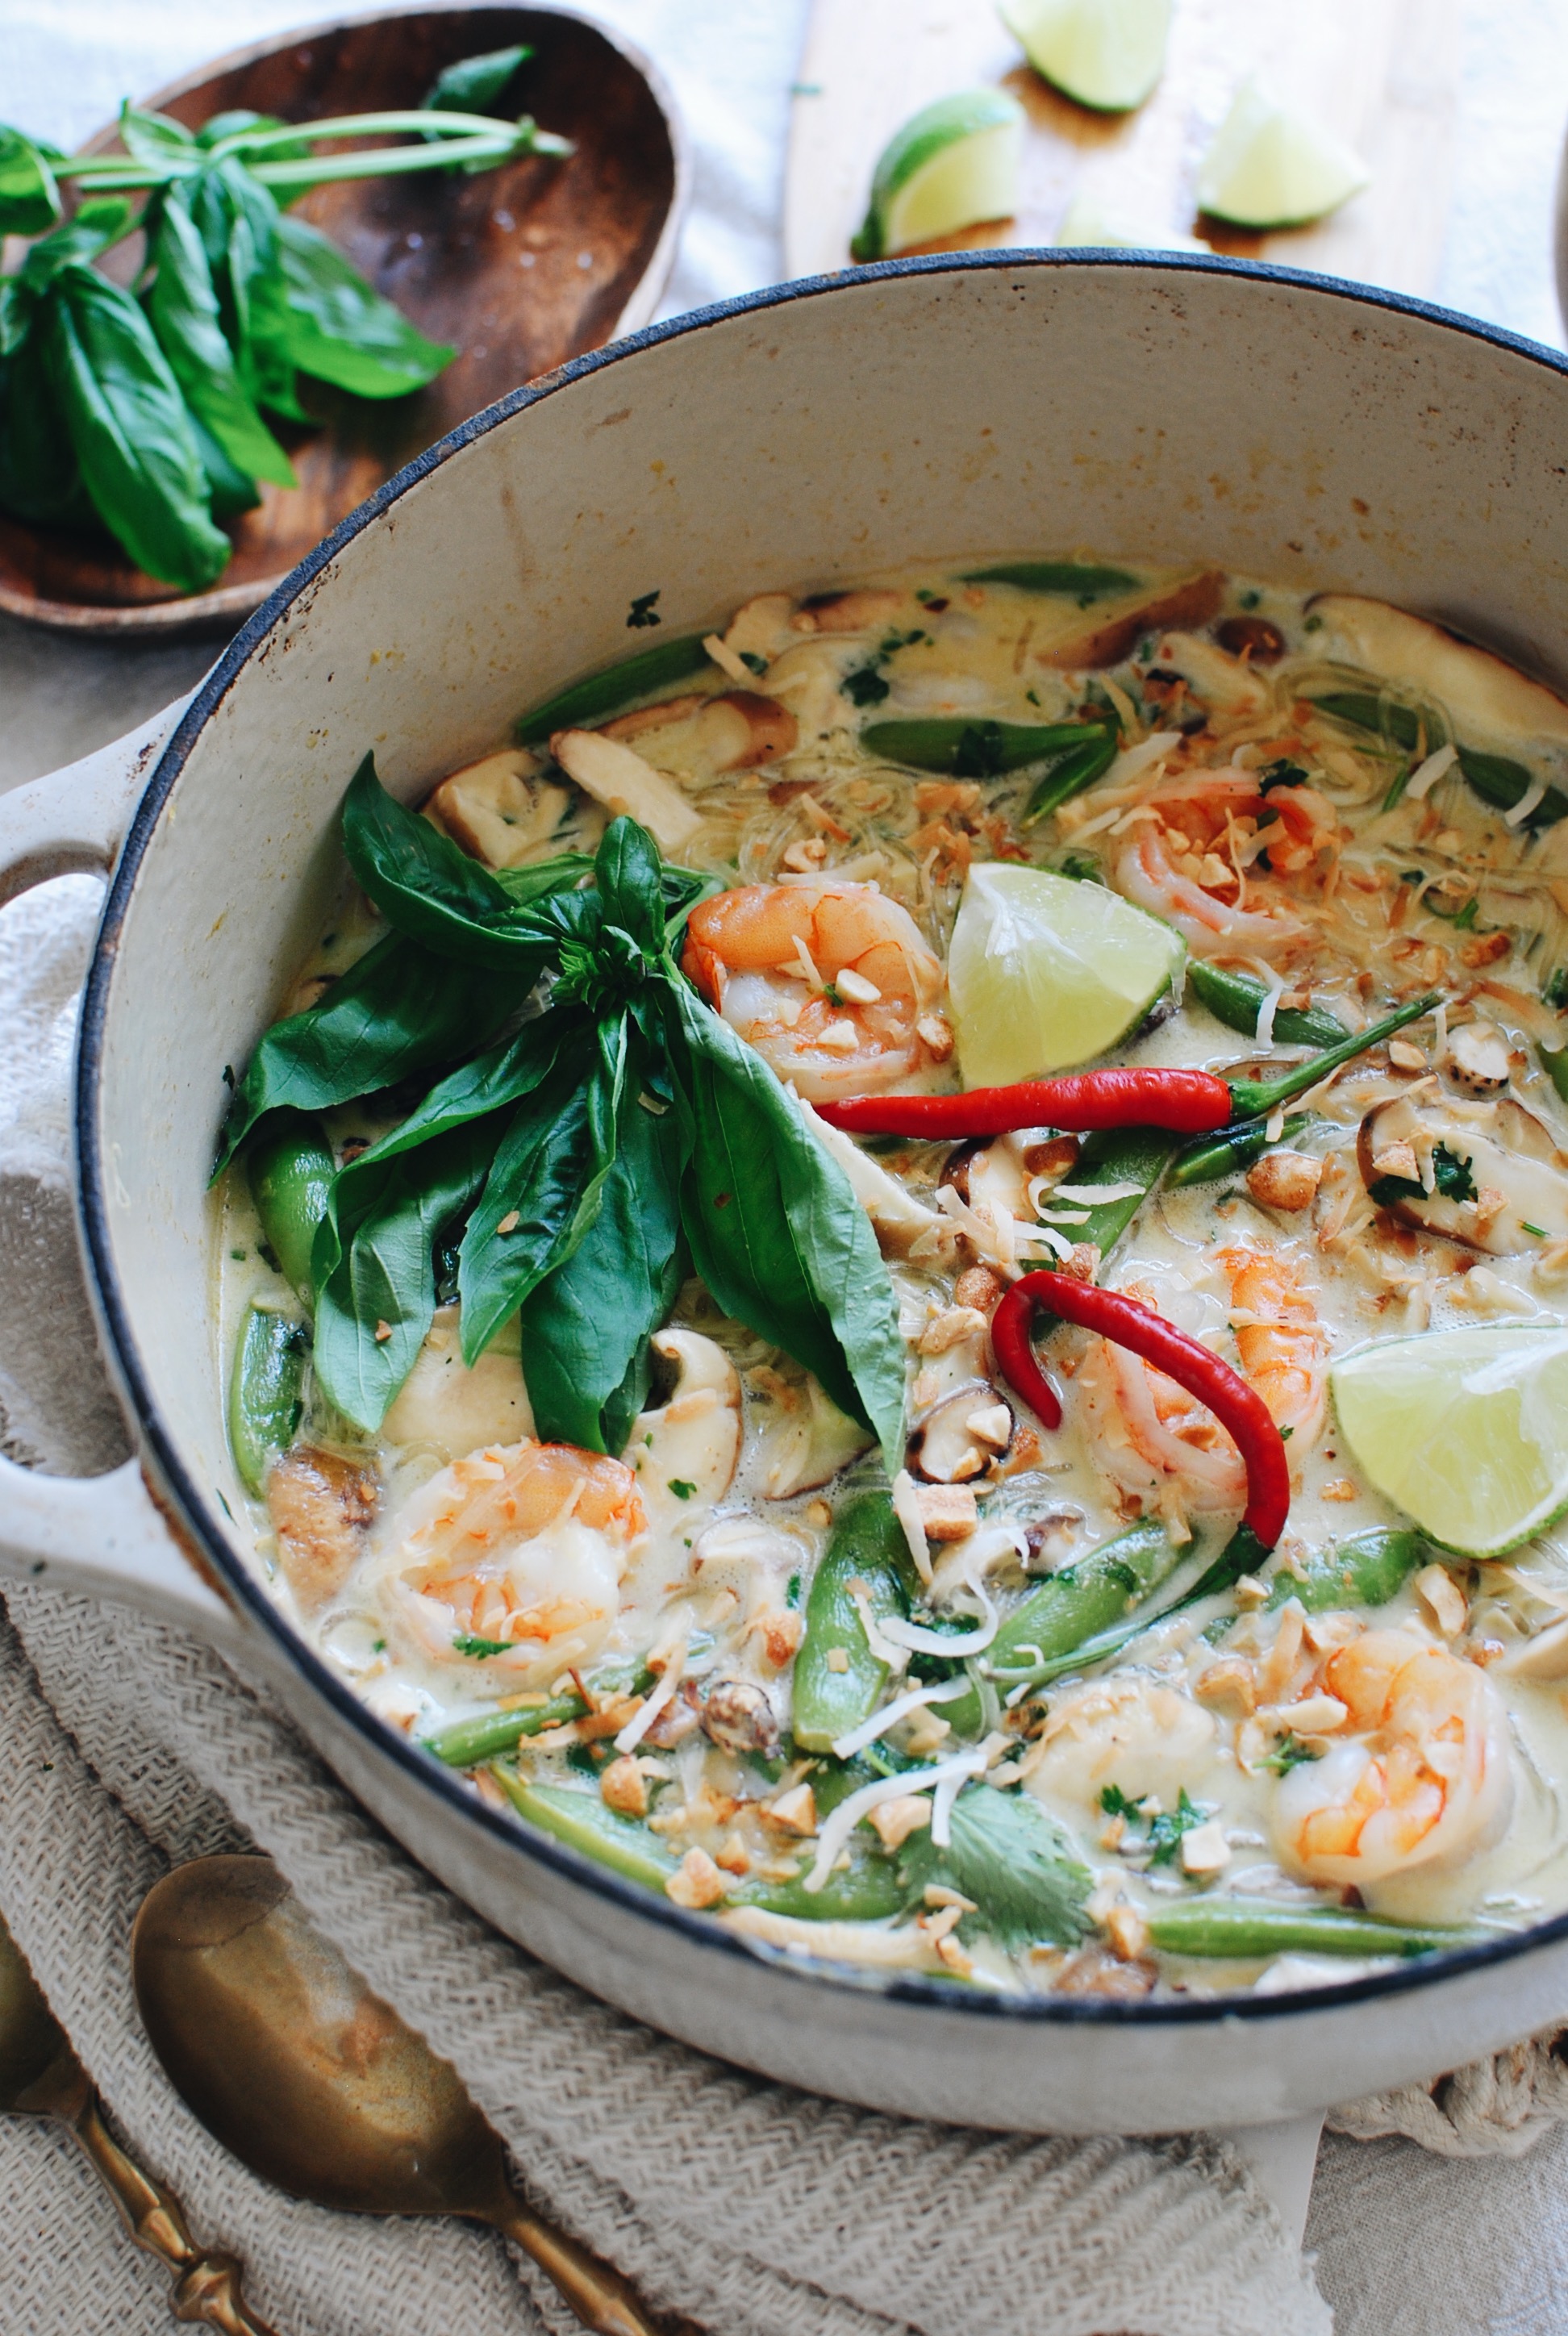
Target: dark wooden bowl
{"x": 520, "y": 269}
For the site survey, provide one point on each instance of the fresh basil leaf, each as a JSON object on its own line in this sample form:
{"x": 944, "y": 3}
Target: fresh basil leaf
{"x": 1013, "y": 1861}
{"x": 586, "y": 1327}
{"x": 18, "y": 307}
{"x": 399, "y": 1009}
{"x": 138, "y": 457}
{"x": 153, "y": 138}
{"x": 229, "y": 490}
{"x": 29, "y": 197}
{"x": 474, "y": 85}
{"x": 775, "y": 1231}
{"x": 545, "y": 1187}
{"x": 375, "y": 1270}
{"x": 186, "y": 317}
{"x": 238, "y": 221}
{"x": 629, "y": 875}
{"x": 96, "y": 224}
{"x": 340, "y": 330}
{"x": 428, "y": 887}
{"x": 39, "y": 478}
{"x": 492, "y": 1082}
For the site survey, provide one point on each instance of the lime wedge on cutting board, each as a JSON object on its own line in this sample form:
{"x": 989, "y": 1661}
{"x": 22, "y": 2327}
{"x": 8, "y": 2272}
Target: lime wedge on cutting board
{"x": 1271, "y": 165}
{"x": 1465, "y": 1430}
{"x": 953, "y": 165}
{"x": 1086, "y": 222}
{"x": 1107, "y": 54}
{"x": 1045, "y": 972}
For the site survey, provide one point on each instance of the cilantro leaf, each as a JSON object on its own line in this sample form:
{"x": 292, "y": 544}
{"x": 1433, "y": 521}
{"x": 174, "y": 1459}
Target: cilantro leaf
{"x": 466, "y": 1643}
{"x": 1008, "y": 1856}
{"x": 1166, "y": 1830}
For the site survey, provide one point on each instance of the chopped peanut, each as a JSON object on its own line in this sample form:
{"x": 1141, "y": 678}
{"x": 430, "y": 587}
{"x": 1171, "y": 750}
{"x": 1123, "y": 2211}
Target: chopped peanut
{"x": 1205, "y": 1850}
{"x": 1285, "y": 1180}
{"x": 623, "y": 1786}
{"x": 1341, "y": 1488}
{"x": 697, "y": 1882}
{"x": 947, "y": 1328}
{"x": 1127, "y": 1933}
{"x": 947, "y": 1512}
{"x": 935, "y": 1033}
{"x": 976, "y": 1290}
{"x": 1231, "y": 1681}
{"x": 796, "y": 1811}
{"x": 895, "y": 1820}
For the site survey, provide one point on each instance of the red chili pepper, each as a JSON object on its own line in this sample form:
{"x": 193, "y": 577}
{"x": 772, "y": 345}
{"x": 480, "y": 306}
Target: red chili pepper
{"x": 1236, "y": 1406}
{"x": 1187, "y": 1103}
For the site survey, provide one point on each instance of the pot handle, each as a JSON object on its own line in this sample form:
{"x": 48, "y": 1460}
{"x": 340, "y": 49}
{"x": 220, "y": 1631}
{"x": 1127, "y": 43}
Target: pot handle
{"x": 99, "y": 1536}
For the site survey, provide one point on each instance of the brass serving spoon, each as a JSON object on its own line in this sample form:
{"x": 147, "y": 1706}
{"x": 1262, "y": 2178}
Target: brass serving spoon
{"x": 40, "y": 2076}
{"x": 316, "y": 2085}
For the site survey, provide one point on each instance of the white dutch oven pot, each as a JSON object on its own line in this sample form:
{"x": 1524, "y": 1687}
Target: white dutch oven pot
{"x": 1176, "y": 410}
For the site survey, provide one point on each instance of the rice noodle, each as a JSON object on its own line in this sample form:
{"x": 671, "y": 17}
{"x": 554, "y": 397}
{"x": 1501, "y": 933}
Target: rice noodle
{"x": 856, "y": 1740}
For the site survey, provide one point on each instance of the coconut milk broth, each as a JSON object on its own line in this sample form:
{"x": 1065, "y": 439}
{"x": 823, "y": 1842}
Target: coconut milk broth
{"x": 728, "y": 1579}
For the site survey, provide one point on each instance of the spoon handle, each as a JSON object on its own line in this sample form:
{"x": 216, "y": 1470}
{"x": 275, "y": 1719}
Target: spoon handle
{"x": 206, "y": 2280}
{"x": 601, "y": 2298}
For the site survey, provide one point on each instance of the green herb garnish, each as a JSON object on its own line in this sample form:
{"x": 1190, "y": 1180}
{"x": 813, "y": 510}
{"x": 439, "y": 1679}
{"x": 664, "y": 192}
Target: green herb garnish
{"x": 1288, "y": 1753}
{"x": 142, "y": 412}
{"x": 1451, "y": 1181}
{"x": 466, "y": 1643}
{"x": 682, "y": 1489}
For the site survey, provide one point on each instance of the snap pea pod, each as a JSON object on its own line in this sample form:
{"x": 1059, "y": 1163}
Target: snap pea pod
{"x": 1075, "y": 578}
{"x": 1498, "y": 780}
{"x": 1235, "y": 998}
{"x": 1554, "y": 1062}
{"x": 867, "y": 1546}
{"x": 468, "y": 1743}
{"x": 970, "y": 749}
{"x": 264, "y": 1393}
{"x": 1210, "y": 1157}
{"x": 1256, "y": 1098}
{"x": 1138, "y": 1156}
{"x": 290, "y": 1169}
{"x": 1081, "y": 1601}
{"x": 601, "y": 692}
{"x": 584, "y": 1821}
{"x": 1248, "y": 1927}
{"x": 1368, "y": 1569}
{"x": 1078, "y": 768}
{"x": 1242, "y": 1554}
{"x": 868, "y": 1891}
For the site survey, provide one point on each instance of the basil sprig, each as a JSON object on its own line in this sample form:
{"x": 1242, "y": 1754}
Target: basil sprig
{"x": 599, "y": 1131}
{"x": 146, "y": 413}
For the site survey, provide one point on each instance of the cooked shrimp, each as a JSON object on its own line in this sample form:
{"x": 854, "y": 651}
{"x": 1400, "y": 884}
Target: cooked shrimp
{"x": 1153, "y": 1439}
{"x": 520, "y": 1545}
{"x": 829, "y": 982}
{"x": 1281, "y": 1341}
{"x": 1417, "y": 1772}
{"x": 1207, "y": 851}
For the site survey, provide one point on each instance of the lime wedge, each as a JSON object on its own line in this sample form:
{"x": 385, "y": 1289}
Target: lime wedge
{"x": 1107, "y": 54}
{"x": 1087, "y": 221}
{"x": 951, "y": 165}
{"x": 1465, "y": 1430}
{"x": 1045, "y": 972}
{"x": 1272, "y": 166}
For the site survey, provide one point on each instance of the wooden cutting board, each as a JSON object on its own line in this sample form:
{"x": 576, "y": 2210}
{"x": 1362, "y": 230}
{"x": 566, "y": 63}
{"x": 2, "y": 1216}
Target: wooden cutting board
{"x": 1382, "y": 72}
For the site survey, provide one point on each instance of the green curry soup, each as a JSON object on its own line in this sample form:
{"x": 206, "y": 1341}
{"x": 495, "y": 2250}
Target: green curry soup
{"x": 635, "y": 1438}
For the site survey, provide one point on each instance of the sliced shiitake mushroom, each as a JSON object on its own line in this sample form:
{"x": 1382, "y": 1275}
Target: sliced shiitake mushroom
{"x": 1108, "y": 640}
{"x": 620, "y": 779}
{"x": 702, "y": 738}
{"x": 500, "y": 810}
{"x": 1228, "y": 686}
{"x": 1252, "y": 636}
{"x": 962, "y": 1436}
{"x": 684, "y": 1454}
{"x": 1497, "y": 1172}
{"x": 1490, "y": 699}
{"x": 848, "y": 612}
{"x": 738, "y": 1717}
{"x": 1480, "y": 1059}
{"x": 321, "y": 1506}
